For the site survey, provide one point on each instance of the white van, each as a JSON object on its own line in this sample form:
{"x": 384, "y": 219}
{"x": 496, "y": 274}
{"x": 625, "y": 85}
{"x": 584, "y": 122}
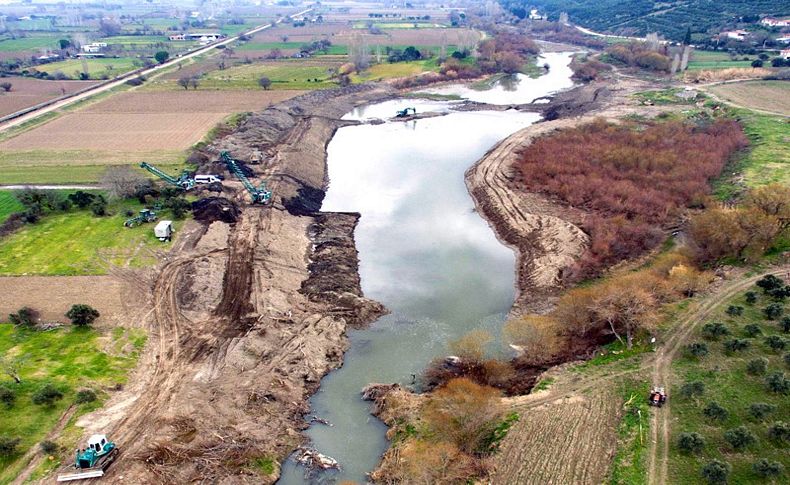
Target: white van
{"x": 206, "y": 179}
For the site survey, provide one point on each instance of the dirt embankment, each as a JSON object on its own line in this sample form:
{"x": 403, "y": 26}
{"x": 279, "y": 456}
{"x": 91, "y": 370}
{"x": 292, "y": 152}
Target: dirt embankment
{"x": 245, "y": 318}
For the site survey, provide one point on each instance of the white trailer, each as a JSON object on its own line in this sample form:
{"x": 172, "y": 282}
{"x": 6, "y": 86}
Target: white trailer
{"x": 164, "y": 230}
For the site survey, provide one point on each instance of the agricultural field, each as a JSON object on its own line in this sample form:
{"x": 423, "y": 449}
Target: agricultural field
{"x": 395, "y": 70}
{"x": 737, "y": 381}
{"x": 123, "y": 129}
{"x": 70, "y": 359}
{"x": 290, "y": 74}
{"x": 28, "y": 92}
{"x": 30, "y": 43}
{"x": 717, "y": 60}
{"x": 767, "y": 159}
{"x": 8, "y": 204}
{"x": 98, "y": 68}
{"x": 772, "y": 96}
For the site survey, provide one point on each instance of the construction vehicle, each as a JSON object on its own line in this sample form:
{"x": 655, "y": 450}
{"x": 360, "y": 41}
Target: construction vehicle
{"x": 405, "y": 112}
{"x": 94, "y": 460}
{"x": 657, "y": 397}
{"x": 184, "y": 181}
{"x": 259, "y": 194}
{"x": 146, "y": 215}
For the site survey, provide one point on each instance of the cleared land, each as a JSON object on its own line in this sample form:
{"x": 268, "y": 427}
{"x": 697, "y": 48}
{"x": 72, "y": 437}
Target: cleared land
{"x": 28, "y": 92}
{"x": 772, "y": 96}
{"x": 123, "y": 129}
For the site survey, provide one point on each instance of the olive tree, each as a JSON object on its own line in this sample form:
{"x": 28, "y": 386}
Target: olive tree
{"x": 82, "y": 315}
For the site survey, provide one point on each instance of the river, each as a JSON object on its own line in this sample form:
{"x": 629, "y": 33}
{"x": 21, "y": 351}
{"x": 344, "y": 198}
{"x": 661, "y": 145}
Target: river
{"x": 424, "y": 253}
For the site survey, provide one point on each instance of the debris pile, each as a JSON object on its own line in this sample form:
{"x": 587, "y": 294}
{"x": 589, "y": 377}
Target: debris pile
{"x": 213, "y": 209}
{"x": 313, "y": 460}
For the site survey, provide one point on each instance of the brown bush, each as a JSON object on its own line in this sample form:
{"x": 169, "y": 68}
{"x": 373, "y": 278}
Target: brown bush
{"x": 536, "y": 336}
{"x": 632, "y": 179}
{"x": 421, "y": 461}
{"x": 472, "y": 346}
{"x": 639, "y": 54}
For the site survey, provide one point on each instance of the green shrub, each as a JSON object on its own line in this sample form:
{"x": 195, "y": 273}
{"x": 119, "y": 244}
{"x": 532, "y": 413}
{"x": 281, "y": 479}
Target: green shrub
{"x": 690, "y": 389}
{"x": 49, "y": 447}
{"x": 84, "y": 396}
{"x": 7, "y": 396}
{"x": 99, "y": 206}
{"x": 787, "y": 359}
{"x": 740, "y": 437}
{"x": 751, "y": 298}
{"x": 778, "y": 383}
{"x": 697, "y": 349}
{"x": 716, "y": 471}
{"x": 760, "y": 410}
{"x": 8, "y": 445}
{"x": 691, "y": 442}
{"x": 25, "y": 317}
{"x": 757, "y": 367}
{"x": 714, "y": 411}
{"x": 47, "y": 395}
{"x": 82, "y": 315}
{"x": 775, "y": 342}
{"x": 736, "y": 345}
{"x": 752, "y": 330}
{"x": 784, "y": 324}
{"x": 779, "y": 431}
{"x": 714, "y": 330}
{"x": 734, "y": 310}
{"x": 767, "y": 469}
{"x": 773, "y": 311}
{"x": 770, "y": 282}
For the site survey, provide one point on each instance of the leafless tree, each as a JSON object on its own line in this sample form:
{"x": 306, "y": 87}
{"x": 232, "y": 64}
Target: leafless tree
{"x": 11, "y": 367}
{"x": 358, "y": 52}
{"x": 6, "y": 86}
{"x": 184, "y": 82}
{"x": 121, "y": 181}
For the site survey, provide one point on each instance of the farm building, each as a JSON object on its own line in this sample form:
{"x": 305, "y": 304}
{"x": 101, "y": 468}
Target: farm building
{"x": 774, "y": 22}
{"x": 199, "y": 36}
{"x": 734, "y": 34}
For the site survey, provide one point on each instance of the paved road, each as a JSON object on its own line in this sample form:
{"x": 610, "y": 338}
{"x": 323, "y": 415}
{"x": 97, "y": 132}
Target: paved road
{"x": 122, "y": 79}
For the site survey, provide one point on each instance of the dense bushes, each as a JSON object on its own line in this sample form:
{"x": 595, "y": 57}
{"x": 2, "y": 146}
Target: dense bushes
{"x": 639, "y": 54}
{"x": 631, "y": 180}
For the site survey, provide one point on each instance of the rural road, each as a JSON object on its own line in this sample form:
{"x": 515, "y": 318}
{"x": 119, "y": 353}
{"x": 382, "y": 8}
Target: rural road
{"x": 49, "y": 187}
{"x": 122, "y": 79}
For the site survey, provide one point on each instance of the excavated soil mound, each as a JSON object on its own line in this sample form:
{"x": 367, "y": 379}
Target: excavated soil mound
{"x": 307, "y": 201}
{"x": 213, "y": 209}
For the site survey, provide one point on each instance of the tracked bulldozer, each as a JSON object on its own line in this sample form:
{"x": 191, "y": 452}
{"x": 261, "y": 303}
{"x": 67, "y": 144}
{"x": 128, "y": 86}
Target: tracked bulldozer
{"x": 92, "y": 461}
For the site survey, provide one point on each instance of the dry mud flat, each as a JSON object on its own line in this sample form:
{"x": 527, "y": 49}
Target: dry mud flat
{"x": 240, "y": 330}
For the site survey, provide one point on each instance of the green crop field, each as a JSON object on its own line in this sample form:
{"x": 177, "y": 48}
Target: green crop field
{"x": 70, "y": 359}
{"x": 8, "y": 204}
{"x": 727, "y": 382}
{"x": 97, "y": 68}
{"x": 78, "y": 243}
{"x": 283, "y": 74}
{"x": 717, "y": 60}
{"x": 395, "y": 70}
{"x": 28, "y": 43}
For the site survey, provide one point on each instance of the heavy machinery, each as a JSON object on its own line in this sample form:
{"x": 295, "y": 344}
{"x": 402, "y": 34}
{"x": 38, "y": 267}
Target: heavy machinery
{"x": 94, "y": 460}
{"x": 405, "y": 112}
{"x": 184, "y": 181}
{"x": 259, "y": 194}
{"x": 658, "y": 397}
{"x": 146, "y": 215}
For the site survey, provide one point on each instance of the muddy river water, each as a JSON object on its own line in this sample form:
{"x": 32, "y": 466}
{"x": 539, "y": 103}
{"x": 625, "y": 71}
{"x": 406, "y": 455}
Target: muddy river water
{"x": 424, "y": 253}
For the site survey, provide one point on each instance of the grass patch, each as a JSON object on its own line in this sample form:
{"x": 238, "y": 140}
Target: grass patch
{"x": 8, "y": 204}
{"x": 78, "y": 243}
{"x": 29, "y": 43}
{"x": 729, "y": 384}
{"x": 543, "y": 384}
{"x": 99, "y": 68}
{"x": 283, "y": 74}
{"x": 387, "y": 70}
{"x": 614, "y": 352}
{"x": 71, "y": 359}
{"x": 630, "y": 461}
{"x": 265, "y": 464}
{"x": 708, "y": 60}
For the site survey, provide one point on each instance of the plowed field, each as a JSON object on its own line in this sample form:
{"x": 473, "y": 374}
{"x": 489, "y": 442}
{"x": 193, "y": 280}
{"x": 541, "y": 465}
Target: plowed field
{"x": 28, "y": 92}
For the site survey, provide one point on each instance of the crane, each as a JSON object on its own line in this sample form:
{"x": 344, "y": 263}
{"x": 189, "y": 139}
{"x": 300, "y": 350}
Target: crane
{"x": 184, "y": 181}
{"x": 259, "y": 194}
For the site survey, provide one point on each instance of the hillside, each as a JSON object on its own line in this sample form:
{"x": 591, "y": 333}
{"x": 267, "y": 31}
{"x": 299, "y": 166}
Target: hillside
{"x": 670, "y": 18}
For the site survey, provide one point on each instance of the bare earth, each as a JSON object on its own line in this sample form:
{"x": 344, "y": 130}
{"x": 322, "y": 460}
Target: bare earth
{"x": 770, "y": 96}
{"x": 28, "y": 92}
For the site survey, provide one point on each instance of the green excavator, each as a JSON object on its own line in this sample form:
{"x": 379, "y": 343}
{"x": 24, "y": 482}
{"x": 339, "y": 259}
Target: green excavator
{"x": 406, "y": 112}
{"x": 184, "y": 181}
{"x": 260, "y": 195}
{"x": 92, "y": 461}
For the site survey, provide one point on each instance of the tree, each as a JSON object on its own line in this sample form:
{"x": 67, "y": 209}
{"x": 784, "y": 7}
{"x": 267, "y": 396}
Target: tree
{"x": 775, "y": 342}
{"x": 161, "y": 56}
{"x": 535, "y": 336}
{"x": 759, "y": 410}
{"x": 757, "y": 367}
{"x": 24, "y": 317}
{"x": 463, "y": 413}
{"x": 471, "y": 347}
{"x": 265, "y": 82}
{"x": 48, "y": 447}
{"x": 82, "y": 315}
{"x": 7, "y": 396}
{"x": 184, "y": 82}
{"x": 99, "y": 206}
{"x": 47, "y": 395}
{"x": 194, "y": 82}
{"x": 779, "y": 431}
{"x": 691, "y": 389}
{"x": 714, "y": 330}
{"x": 736, "y": 345}
{"x": 751, "y": 297}
{"x": 778, "y": 383}
{"x": 757, "y": 63}
{"x": 715, "y": 412}
{"x": 179, "y": 206}
{"x": 773, "y": 311}
{"x": 121, "y": 181}
{"x": 752, "y": 330}
{"x": 767, "y": 469}
{"x": 626, "y": 310}
{"x": 109, "y": 27}
{"x": 8, "y": 445}
{"x": 82, "y": 199}
{"x": 770, "y": 282}
{"x": 687, "y": 37}
{"x": 785, "y": 325}
{"x": 716, "y": 471}
{"x": 6, "y": 86}
{"x": 64, "y": 43}
{"x": 11, "y": 366}
{"x": 691, "y": 442}
{"x": 698, "y": 349}
{"x": 509, "y": 62}
{"x": 740, "y": 437}
{"x": 85, "y": 396}
{"x": 734, "y": 310}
